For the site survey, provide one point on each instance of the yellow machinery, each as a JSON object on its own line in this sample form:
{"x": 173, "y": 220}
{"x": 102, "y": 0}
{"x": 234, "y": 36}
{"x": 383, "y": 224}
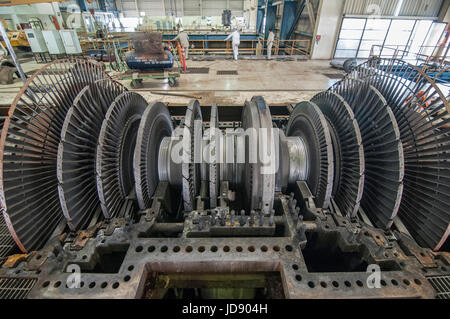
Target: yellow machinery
{"x": 18, "y": 39}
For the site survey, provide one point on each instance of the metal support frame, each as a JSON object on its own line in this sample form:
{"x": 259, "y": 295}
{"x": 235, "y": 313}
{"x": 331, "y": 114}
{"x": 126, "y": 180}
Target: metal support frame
{"x": 297, "y": 18}
{"x": 181, "y": 256}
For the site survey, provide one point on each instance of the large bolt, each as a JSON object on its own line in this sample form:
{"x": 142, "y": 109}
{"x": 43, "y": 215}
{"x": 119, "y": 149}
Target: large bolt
{"x": 299, "y": 222}
{"x": 222, "y": 218}
{"x": 252, "y": 218}
{"x": 272, "y": 216}
{"x": 201, "y": 223}
{"x": 213, "y": 217}
{"x": 242, "y": 219}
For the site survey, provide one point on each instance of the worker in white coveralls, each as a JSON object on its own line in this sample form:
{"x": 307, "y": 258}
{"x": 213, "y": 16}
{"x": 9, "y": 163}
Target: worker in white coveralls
{"x": 184, "y": 41}
{"x": 235, "y": 42}
{"x": 270, "y": 39}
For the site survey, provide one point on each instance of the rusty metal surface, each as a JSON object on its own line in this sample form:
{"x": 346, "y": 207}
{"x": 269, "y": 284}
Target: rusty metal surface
{"x": 13, "y": 260}
{"x": 7, "y": 244}
{"x": 15, "y": 288}
{"x": 149, "y": 44}
{"x": 442, "y": 286}
{"x": 145, "y": 256}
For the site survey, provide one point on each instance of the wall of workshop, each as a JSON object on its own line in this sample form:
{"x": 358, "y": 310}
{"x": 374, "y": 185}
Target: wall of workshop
{"x": 327, "y": 26}
{"x": 195, "y": 14}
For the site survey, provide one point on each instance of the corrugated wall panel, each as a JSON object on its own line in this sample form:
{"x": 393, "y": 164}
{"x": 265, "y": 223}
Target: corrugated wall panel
{"x": 367, "y": 7}
{"x": 421, "y": 8}
{"x": 411, "y": 8}
{"x": 182, "y": 7}
{"x": 174, "y": 7}
{"x": 129, "y": 8}
{"x": 236, "y": 5}
{"x": 152, "y": 8}
{"x": 213, "y": 7}
{"x": 237, "y": 8}
{"x": 191, "y": 7}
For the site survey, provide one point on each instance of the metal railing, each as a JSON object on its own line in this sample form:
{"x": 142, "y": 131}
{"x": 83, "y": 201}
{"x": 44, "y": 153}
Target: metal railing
{"x": 251, "y": 47}
{"x": 214, "y": 47}
{"x": 438, "y": 54}
{"x": 436, "y": 65}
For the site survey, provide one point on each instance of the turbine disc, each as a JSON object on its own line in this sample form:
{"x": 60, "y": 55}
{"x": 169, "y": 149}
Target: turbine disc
{"x": 349, "y": 175}
{"x": 29, "y": 148}
{"x": 384, "y": 166}
{"x": 115, "y": 152}
{"x": 308, "y": 123}
{"x": 214, "y": 145}
{"x": 259, "y": 178}
{"x": 76, "y": 153}
{"x": 192, "y": 142}
{"x": 155, "y": 124}
{"x": 422, "y": 113}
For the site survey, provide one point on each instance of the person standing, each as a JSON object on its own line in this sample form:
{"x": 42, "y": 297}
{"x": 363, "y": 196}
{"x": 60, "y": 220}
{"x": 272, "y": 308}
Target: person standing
{"x": 236, "y": 40}
{"x": 184, "y": 41}
{"x": 270, "y": 39}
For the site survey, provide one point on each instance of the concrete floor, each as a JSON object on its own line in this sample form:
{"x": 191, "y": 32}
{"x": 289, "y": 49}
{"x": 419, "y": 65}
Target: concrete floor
{"x": 276, "y": 81}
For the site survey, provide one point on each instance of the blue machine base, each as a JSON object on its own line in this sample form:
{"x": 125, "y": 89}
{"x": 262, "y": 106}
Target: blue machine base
{"x": 145, "y": 63}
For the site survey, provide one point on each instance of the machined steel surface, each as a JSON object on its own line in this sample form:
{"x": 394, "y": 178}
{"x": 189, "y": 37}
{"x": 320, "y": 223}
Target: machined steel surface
{"x": 192, "y": 143}
{"x": 260, "y": 160}
{"x": 298, "y": 159}
{"x": 214, "y": 145}
{"x": 156, "y": 125}
{"x": 169, "y": 170}
{"x": 308, "y": 123}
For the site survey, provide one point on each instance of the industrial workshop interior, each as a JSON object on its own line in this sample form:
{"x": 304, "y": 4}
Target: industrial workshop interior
{"x": 224, "y": 149}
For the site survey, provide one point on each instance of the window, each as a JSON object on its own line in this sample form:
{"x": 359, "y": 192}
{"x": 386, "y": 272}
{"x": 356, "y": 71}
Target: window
{"x": 374, "y": 34}
{"x": 349, "y": 37}
{"x": 403, "y": 37}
